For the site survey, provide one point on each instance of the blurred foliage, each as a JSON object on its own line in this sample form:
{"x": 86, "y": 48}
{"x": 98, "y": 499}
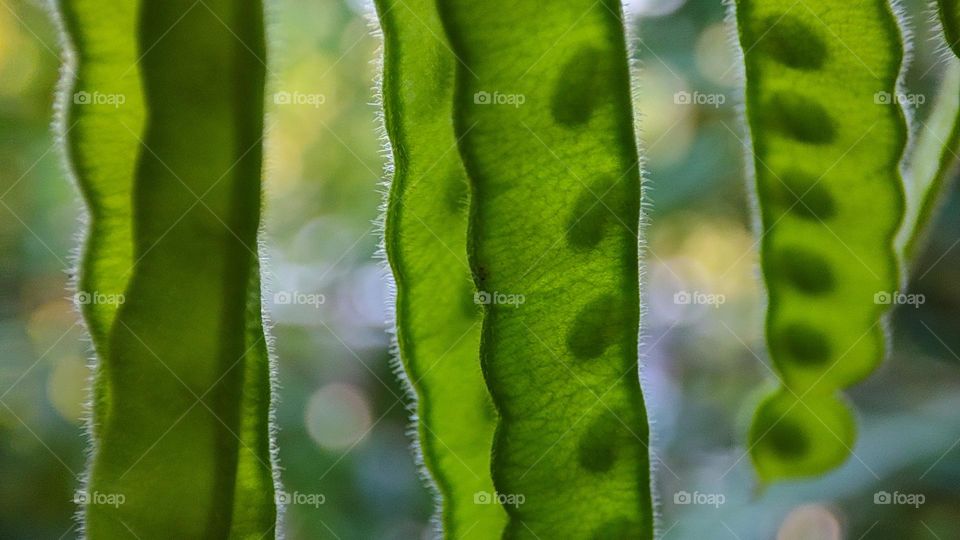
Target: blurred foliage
{"x": 341, "y": 414}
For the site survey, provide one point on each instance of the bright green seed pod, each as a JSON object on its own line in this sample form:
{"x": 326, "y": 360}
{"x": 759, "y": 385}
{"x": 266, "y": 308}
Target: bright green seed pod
{"x": 544, "y": 117}
{"x": 828, "y": 134}
{"x": 437, "y": 312}
{"x": 164, "y": 128}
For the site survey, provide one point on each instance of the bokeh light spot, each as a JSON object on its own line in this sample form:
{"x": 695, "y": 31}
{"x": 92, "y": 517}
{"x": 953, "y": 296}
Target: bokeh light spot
{"x": 338, "y": 416}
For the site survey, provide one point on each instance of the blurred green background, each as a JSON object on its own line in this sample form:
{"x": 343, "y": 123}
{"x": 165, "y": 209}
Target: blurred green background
{"x": 342, "y": 414}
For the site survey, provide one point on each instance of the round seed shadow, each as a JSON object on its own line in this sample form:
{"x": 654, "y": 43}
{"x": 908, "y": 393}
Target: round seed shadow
{"x": 592, "y": 214}
{"x": 800, "y": 118}
{"x": 595, "y": 328}
{"x": 803, "y": 195}
{"x": 597, "y": 447}
{"x": 791, "y": 41}
{"x": 576, "y": 94}
{"x": 804, "y": 344}
{"x": 788, "y": 440}
{"x": 805, "y": 270}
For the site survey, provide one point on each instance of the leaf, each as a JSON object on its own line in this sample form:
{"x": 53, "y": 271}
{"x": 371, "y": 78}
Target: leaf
{"x": 171, "y": 173}
{"x": 821, "y": 85}
{"x": 934, "y": 155}
{"x": 544, "y": 117}
{"x": 437, "y": 321}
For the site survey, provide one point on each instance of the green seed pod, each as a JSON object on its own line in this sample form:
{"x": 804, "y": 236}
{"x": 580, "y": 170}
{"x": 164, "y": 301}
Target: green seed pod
{"x": 544, "y": 119}
{"x": 827, "y": 134}
{"x": 437, "y": 310}
{"x": 164, "y": 129}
